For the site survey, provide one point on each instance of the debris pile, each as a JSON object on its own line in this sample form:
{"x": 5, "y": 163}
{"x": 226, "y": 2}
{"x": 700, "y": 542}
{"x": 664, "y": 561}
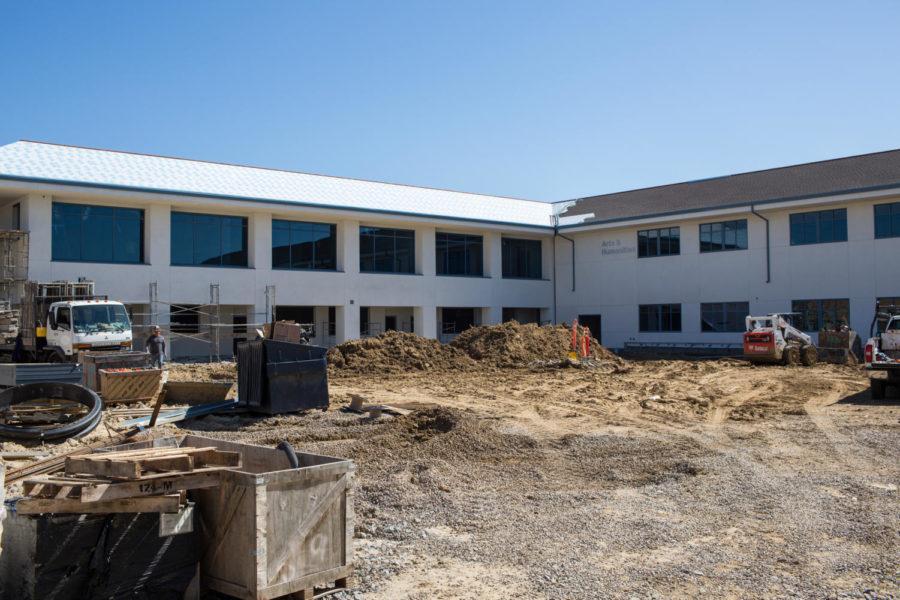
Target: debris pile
{"x": 396, "y": 352}
{"x": 514, "y": 345}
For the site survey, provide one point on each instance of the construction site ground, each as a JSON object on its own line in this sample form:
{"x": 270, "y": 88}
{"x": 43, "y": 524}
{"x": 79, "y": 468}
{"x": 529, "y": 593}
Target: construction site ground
{"x": 652, "y": 479}
{"x": 656, "y": 479}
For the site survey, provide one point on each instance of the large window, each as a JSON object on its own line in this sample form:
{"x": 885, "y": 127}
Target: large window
{"x": 726, "y": 235}
{"x": 297, "y": 245}
{"x": 383, "y": 250}
{"x": 97, "y": 233}
{"x": 659, "y": 317}
{"x": 821, "y": 314}
{"x": 659, "y": 242}
{"x": 723, "y": 316}
{"x": 521, "y": 258}
{"x": 459, "y": 254}
{"x": 209, "y": 240}
{"x": 819, "y": 227}
{"x": 887, "y": 220}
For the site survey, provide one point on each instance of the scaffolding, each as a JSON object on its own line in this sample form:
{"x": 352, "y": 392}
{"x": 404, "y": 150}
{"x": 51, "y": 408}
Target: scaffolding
{"x": 13, "y": 266}
{"x": 209, "y": 325}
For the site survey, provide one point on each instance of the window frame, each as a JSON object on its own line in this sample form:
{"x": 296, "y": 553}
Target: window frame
{"x": 726, "y": 309}
{"x": 117, "y": 213}
{"x": 381, "y": 234}
{"x": 724, "y": 233}
{"x": 660, "y": 317}
{"x": 507, "y": 244}
{"x": 468, "y": 240}
{"x": 794, "y": 226}
{"x": 655, "y": 234}
{"x": 893, "y": 220}
{"x": 221, "y": 220}
{"x": 290, "y": 226}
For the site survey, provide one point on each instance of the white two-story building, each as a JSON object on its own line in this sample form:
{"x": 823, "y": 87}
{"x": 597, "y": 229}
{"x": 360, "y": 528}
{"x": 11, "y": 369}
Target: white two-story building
{"x": 210, "y": 251}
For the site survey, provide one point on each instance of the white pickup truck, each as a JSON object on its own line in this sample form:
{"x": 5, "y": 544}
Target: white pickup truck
{"x": 883, "y": 351}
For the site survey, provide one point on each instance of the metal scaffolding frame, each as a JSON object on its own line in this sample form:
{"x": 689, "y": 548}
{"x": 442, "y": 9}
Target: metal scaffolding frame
{"x": 209, "y": 322}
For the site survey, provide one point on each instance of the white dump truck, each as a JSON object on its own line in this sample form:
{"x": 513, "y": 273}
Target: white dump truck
{"x": 55, "y": 321}
{"x": 883, "y": 351}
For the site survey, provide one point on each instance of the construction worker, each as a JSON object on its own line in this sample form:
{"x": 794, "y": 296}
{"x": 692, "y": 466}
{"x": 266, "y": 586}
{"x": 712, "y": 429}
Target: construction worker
{"x": 156, "y": 346}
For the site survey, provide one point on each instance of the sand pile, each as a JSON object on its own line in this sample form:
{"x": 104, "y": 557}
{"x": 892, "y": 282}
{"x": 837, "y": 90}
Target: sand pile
{"x": 513, "y": 345}
{"x": 395, "y": 352}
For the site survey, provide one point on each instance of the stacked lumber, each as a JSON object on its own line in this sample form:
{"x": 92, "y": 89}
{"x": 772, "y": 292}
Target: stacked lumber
{"x": 9, "y": 322}
{"x": 145, "y": 480}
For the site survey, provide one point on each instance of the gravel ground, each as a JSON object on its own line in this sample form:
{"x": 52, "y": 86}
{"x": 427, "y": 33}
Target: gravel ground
{"x": 615, "y": 484}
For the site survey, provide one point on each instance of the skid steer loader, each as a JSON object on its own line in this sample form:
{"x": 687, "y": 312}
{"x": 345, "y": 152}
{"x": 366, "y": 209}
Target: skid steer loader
{"x": 773, "y": 339}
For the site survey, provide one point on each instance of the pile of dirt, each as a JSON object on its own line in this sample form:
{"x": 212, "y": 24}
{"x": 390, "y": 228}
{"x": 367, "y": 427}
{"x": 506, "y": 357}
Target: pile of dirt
{"x": 396, "y": 352}
{"x": 509, "y": 345}
{"x": 216, "y": 371}
{"x": 512, "y": 344}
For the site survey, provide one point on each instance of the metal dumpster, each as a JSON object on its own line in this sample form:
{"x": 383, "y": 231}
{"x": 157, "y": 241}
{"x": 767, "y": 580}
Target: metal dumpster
{"x": 278, "y": 377}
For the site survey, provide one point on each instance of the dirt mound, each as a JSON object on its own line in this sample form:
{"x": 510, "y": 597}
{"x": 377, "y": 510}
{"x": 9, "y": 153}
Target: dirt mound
{"x": 396, "y": 352}
{"x": 216, "y": 371}
{"x": 514, "y": 345}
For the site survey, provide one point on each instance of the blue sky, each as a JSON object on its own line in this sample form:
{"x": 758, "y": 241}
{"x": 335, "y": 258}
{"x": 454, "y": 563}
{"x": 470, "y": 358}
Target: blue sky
{"x": 543, "y": 100}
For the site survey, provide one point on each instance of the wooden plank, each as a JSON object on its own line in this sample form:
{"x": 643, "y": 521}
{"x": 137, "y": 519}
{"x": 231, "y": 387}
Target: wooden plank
{"x": 217, "y": 458}
{"x": 56, "y": 463}
{"x": 150, "y": 452}
{"x": 160, "y": 398}
{"x": 103, "y": 468}
{"x": 168, "y": 463}
{"x": 325, "y": 503}
{"x": 35, "y": 506}
{"x": 150, "y": 486}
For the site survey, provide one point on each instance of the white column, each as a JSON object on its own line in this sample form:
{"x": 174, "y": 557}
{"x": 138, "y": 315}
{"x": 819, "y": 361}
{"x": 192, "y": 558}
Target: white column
{"x": 426, "y": 321}
{"x": 346, "y": 322}
{"x": 37, "y": 219}
{"x": 348, "y": 248}
{"x": 493, "y": 255}
{"x": 425, "y": 251}
{"x": 260, "y": 241}
{"x": 157, "y": 235}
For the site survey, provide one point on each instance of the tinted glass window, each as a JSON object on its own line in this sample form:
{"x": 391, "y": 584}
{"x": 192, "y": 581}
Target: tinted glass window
{"x": 727, "y": 235}
{"x": 299, "y": 245}
{"x": 659, "y": 317}
{"x": 209, "y": 240}
{"x": 819, "y": 227}
{"x": 97, "y": 233}
{"x": 821, "y": 314}
{"x": 887, "y": 220}
{"x": 459, "y": 254}
{"x": 659, "y": 242}
{"x": 383, "y": 250}
{"x": 723, "y": 316}
{"x": 521, "y": 258}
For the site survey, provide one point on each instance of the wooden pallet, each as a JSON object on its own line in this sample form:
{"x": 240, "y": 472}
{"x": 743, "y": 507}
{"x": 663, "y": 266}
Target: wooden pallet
{"x": 129, "y": 386}
{"x": 96, "y": 489}
{"x": 138, "y": 464}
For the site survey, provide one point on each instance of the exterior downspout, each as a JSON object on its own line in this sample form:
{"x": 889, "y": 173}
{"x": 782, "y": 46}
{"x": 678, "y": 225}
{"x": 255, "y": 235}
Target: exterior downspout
{"x": 768, "y": 257}
{"x": 556, "y": 234}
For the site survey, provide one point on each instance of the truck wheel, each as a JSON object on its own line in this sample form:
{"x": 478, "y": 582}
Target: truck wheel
{"x": 809, "y": 355}
{"x": 878, "y": 388}
{"x": 790, "y": 356}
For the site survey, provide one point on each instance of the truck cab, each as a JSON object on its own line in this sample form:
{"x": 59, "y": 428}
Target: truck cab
{"x": 76, "y": 325}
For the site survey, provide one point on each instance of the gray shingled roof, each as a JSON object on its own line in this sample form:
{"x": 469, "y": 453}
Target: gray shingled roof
{"x": 854, "y": 173}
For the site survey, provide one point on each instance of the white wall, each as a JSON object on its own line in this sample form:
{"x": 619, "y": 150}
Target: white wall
{"x": 347, "y": 288}
{"x": 612, "y": 281}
